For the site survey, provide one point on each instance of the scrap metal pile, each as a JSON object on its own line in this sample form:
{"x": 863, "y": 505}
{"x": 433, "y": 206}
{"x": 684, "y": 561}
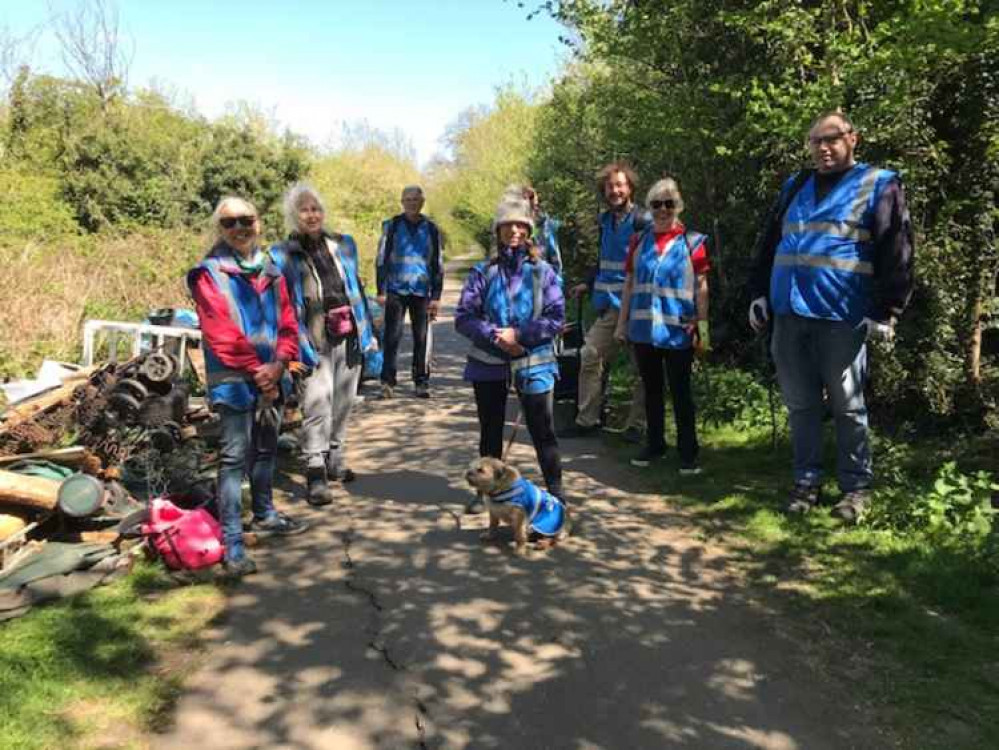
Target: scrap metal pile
{"x": 127, "y": 432}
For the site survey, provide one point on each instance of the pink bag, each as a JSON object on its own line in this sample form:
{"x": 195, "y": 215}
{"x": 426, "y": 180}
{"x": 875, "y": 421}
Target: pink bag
{"x": 185, "y": 539}
{"x": 339, "y": 322}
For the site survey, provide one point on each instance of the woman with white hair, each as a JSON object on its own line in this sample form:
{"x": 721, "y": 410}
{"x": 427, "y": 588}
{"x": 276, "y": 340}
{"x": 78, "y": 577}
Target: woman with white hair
{"x": 664, "y": 314}
{"x": 334, "y": 332}
{"x": 249, "y": 336}
{"x": 511, "y": 308}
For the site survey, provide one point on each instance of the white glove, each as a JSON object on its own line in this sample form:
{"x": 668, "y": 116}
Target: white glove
{"x": 877, "y": 331}
{"x": 758, "y": 315}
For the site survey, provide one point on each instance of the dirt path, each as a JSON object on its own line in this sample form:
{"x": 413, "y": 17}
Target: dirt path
{"x": 390, "y": 626}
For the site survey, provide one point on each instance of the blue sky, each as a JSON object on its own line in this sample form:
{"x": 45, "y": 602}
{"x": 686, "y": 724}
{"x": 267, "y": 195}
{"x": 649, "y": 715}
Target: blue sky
{"x": 315, "y": 65}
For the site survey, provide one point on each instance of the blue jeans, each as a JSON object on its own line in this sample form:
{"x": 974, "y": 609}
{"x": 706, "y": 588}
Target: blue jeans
{"x": 813, "y": 356}
{"x": 247, "y": 449}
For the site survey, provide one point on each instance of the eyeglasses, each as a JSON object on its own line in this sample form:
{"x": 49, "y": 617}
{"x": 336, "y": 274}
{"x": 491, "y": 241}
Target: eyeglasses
{"x": 228, "y": 222}
{"x": 668, "y": 203}
{"x": 827, "y": 140}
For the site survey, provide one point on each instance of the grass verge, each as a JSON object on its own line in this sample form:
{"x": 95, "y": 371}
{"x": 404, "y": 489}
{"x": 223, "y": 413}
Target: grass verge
{"x": 906, "y": 626}
{"x": 104, "y": 668}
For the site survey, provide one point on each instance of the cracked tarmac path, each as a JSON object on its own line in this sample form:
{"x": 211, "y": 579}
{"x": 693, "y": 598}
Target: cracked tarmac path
{"x": 389, "y": 626}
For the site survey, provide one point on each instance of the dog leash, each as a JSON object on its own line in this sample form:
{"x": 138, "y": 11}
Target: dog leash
{"x": 513, "y": 434}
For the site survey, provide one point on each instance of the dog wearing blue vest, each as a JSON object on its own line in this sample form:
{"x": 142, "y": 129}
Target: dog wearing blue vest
{"x": 518, "y": 503}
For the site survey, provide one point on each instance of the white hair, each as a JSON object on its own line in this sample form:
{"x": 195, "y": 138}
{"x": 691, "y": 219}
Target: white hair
{"x": 296, "y": 195}
{"x": 666, "y": 187}
{"x": 221, "y": 205}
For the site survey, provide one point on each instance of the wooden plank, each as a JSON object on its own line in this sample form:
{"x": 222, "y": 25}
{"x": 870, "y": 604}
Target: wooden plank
{"x": 74, "y": 456}
{"x": 27, "y": 491}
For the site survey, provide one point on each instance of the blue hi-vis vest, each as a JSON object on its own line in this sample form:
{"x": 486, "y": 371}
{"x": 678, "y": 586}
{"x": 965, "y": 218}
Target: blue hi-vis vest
{"x": 546, "y": 237}
{"x": 293, "y": 262}
{"x": 535, "y": 371}
{"x": 545, "y": 512}
{"x": 609, "y": 284}
{"x": 663, "y": 292}
{"x": 823, "y": 267}
{"x": 258, "y": 317}
{"x": 408, "y": 271}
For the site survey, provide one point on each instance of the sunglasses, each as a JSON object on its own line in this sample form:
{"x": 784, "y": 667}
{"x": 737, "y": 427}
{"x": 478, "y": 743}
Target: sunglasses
{"x": 228, "y": 222}
{"x": 668, "y": 203}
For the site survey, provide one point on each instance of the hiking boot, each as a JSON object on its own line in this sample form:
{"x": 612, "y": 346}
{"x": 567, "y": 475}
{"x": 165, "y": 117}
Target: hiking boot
{"x": 690, "y": 469}
{"x": 852, "y": 506}
{"x": 244, "y": 566}
{"x": 388, "y": 391}
{"x": 278, "y": 525}
{"x": 318, "y": 491}
{"x": 802, "y": 498}
{"x": 647, "y": 457}
{"x": 475, "y": 505}
{"x": 337, "y": 473}
{"x": 422, "y": 390}
{"x": 580, "y": 431}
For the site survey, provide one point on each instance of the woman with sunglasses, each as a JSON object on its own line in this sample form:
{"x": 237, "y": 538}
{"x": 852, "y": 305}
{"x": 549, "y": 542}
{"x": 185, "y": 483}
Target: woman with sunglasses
{"x": 249, "y": 335}
{"x": 511, "y": 308}
{"x": 664, "y": 314}
{"x": 334, "y": 332}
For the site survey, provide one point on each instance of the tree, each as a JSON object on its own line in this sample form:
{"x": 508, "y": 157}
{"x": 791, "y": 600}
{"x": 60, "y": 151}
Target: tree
{"x": 94, "y": 50}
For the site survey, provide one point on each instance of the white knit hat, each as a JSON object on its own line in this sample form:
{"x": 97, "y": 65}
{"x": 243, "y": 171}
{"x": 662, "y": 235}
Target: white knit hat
{"x": 513, "y": 209}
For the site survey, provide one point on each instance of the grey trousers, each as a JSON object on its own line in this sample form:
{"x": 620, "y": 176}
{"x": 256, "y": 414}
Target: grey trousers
{"x": 329, "y": 397}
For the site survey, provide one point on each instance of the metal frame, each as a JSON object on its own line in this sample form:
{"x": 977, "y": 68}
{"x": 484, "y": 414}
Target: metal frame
{"x": 116, "y": 328}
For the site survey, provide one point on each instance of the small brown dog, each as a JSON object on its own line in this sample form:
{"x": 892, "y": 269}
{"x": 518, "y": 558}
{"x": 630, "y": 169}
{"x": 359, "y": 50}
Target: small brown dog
{"x": 523, "y": 506}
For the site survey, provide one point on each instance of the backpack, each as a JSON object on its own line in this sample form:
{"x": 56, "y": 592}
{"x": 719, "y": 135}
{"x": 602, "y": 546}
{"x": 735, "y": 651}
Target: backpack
{"x": 183, "y": 539}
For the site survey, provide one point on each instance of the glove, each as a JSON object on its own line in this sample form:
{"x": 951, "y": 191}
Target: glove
{"x": 878, "y": 331}
{"x": 703, "y": 336}
{"x": 758, "y": 314}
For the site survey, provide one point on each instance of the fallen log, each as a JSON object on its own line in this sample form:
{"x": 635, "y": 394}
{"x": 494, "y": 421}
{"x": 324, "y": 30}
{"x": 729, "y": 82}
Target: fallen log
{"x": 27, "y": 491}
{"x": 73, "y": 457}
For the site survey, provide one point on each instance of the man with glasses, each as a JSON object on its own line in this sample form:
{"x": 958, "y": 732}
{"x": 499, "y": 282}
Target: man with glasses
{"x": 834, "y": 267}
{"x": 410, "y": 278}
{"x": 616, "y": 183}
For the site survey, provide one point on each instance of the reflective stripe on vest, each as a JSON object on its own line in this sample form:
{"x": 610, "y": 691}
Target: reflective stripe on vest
{"x": 823, "y": 266}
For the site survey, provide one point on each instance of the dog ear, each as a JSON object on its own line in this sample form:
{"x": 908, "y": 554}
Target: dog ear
{"x": 508, "y": 476}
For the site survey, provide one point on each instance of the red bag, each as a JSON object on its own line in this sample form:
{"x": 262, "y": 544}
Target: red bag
{"x": 185, "y": 539}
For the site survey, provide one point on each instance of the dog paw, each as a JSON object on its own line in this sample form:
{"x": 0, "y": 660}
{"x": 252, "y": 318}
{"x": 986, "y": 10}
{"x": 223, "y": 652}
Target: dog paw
{"x": 544, "y": 544}
{"x": 520, "y": 550}
{"x": 487, "y": 536}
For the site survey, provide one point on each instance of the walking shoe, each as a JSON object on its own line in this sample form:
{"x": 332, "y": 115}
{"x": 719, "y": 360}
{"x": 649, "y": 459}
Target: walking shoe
{"x": 317, "y": 489}
{"x": 475, "y": 504}
{"x": 278, "y": 525}
{"x": 388, "y": 391}
{"x": 803, "y": 498}
{"x": 852, "y": 506}
{"x": 633, "y": 435}
{"x": 580, "y": 431}
{"x": 244, "y": 566}
{"x": 422, "y": 390}
{"x": 646, "y": 457}
{"x": 343, "y": 476}
{"x": 689, "y": 469}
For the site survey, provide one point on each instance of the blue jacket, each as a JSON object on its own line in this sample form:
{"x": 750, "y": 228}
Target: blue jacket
{"x": 545, "y": 512}
{"x": 663, "y": 293}
{"x": 258, "y": 317}
{"x": 824, "y": 262}
{"x": 410, "y": 259}
{"x": 512, "y": 292}
{"x": 609, "y": 282}
{"x": 306, "y": 291}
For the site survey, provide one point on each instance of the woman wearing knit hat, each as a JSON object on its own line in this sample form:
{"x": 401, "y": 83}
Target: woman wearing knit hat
{"x": 511, "y": 308}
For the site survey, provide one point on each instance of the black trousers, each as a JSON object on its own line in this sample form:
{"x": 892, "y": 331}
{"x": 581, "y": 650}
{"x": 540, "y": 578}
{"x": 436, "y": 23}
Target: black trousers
{"x": 396, "y": 307}
{"x": 678, "y": 364}
{"x": 490, "y": 401}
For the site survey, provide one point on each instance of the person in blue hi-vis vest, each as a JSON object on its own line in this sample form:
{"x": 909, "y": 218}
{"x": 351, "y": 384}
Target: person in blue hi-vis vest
{"x": 250, "y": 336}
{"x": 664, "y": 314}
{"x": 616, "y": 184}
{"x": 834, "y": 269}
{"x": 410, "y": 278}
{"x": 511, "y": 308}
{"x": 335, "y": 331}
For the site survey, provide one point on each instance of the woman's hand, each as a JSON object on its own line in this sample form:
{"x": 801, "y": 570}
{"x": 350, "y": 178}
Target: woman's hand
{"x": 506, "y": 339}
{"x": 621, "y": 334}
{"x": 267, "y": 377}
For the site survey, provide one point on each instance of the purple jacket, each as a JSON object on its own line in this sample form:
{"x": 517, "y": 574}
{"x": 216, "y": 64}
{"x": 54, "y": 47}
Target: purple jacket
{"x": 475, "y": 321}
